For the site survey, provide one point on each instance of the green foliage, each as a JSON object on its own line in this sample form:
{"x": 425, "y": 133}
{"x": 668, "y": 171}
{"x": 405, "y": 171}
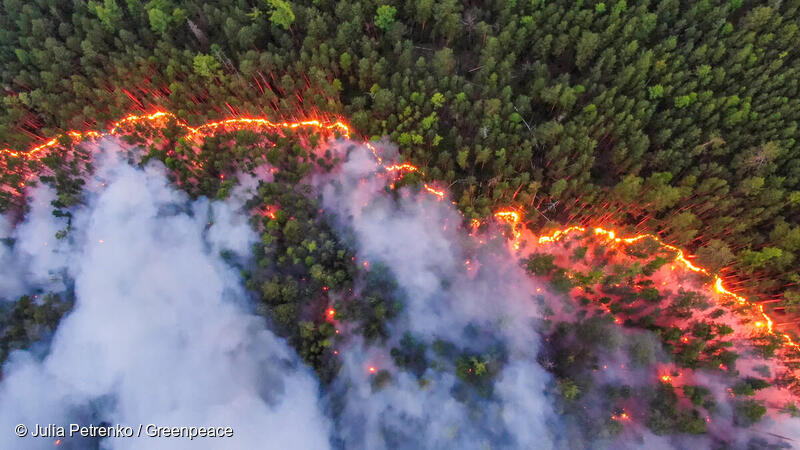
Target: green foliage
{"x": 29, "y": 320}
{"x": 109, "y": 13}
{"x": 540, "y": 264}
{"x": 697, "y": 394}
{"x": 163, "y": 14}
{"x": 600, "y": 331}
{"x": 588, "y": 100}
{"x": 683, "y": 101}
{"x": 384, "y": 18}
{"x": 206, "y": 66}
{"x": 567, "y": 110}
{"x": 437, "y": 100}
{"x": 381, "y": 379}
{"x": 641, "y": 350}
{"x": 579, "y": 253}
{"x": 475, "y": 370}
{"x": 686, "y": 302}
{"x": 410, "y": 355}
{"x": 281, "y": 13}
{"x": 748, "y": 412}
{"x": 661, "y": 418}
{"x": 691, "y": 423}
{"x": 749, "y": 386}
{"x": 791, "y": 409}
{"x": 568, "y": 389}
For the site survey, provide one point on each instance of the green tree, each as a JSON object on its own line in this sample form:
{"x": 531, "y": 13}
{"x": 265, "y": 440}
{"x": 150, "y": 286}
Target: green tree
{"x": 206, "y": 66}
{"x": 655, "y": 92}
{"x": 109, "y": 13}
{"x": 568, "y": 389}
{"x": 281, "y": 13}
{"x": 384, "y": 18}
{"x": 748, "y": 412}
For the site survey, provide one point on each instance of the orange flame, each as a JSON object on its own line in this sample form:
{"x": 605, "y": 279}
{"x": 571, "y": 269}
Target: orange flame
{"x": 206, "y": 128}
{"x": 509, "y": 216}
{"x": 401, "y": 167}
{"x": 621, "y": 416}
{"x": 767, "y": 322}
{"x": 513, "y": 218}
{"x": 433, "y": 191}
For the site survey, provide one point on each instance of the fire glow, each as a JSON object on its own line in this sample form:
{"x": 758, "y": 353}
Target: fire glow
{"x": 681, "y": 258}
{"x": 204, "y": 129}
{"x": 623, "y": 416}
{"x": 512, "y": 217}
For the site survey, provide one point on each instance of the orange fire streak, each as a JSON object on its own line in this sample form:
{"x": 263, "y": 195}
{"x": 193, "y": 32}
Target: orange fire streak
{"x": 508, "y": 216}
{"x": 206, "y": 128}
{"x": 433, "y": 191}
{"x": 622, "y": 416}
{"x": 513, "y": 218}
{"x": 680, "y": 258}
{"x": 401, "y": 167}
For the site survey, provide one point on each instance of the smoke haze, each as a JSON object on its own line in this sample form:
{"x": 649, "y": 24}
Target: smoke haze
{"x": 163, "y": 332}
{"x": 160, "y": 332}
{"x": 422, "y": 242}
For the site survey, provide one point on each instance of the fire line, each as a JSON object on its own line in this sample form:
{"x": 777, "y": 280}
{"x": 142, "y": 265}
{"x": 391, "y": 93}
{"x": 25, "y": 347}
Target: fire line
{"x": 511, "y": 217}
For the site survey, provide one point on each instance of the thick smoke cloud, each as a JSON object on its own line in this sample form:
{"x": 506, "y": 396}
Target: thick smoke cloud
{"x": 160, "y": 332}
{"x": 36, "y": 258}
{"x": 421, "y": 240}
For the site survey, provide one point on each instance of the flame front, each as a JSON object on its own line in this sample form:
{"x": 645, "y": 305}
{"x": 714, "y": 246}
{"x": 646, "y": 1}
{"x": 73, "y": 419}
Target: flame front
{"x": 509, "y": 216}
{"x": 206, "y": 128}
{"x": 681, "y": 258}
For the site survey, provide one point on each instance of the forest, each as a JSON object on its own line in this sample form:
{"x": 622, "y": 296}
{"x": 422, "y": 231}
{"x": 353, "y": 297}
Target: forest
{"x": 673, "y": 118}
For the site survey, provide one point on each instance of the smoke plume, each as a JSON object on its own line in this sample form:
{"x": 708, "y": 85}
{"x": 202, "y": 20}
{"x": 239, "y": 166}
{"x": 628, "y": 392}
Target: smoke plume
{"x": 475, "y": 297}
{"x": 161, "y": 331}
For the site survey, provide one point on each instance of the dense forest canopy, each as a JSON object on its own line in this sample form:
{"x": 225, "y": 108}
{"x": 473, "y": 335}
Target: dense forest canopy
{"x": 674, "y": 117}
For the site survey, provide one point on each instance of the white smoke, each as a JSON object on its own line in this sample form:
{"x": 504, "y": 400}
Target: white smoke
{"x": 421, "y": 240}
{"x": 160, "y": 332}
{"x": 37, "y": 258}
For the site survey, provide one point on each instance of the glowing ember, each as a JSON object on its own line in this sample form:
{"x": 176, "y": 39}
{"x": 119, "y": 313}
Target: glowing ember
{"x": 372, "y": 369}
{"x": 405, "y": 167}
{"x": 513, "y": 218}
{"x": 666, "y": 378}
{"x": 204, "y": 129}
{"x": 509, "y": 216}
{"x": 767, "y": 322}
{"x": 374, "y": 152}
{"x": 433, "y": 191}
{"x": 330, "y": 312}
{"x": 621, "y": 416}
